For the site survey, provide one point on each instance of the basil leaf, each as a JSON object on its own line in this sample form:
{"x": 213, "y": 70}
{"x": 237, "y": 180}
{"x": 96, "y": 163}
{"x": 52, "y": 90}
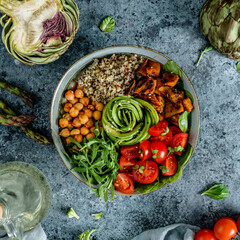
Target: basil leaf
{"x": 147, "y": 188}
{"x": 207, "y": 49}
{"x": 183, "y": 121}
{"x": 107, "y": 24}
{"x": 238, "y": 66}
{"x": 183, "y": 159}
{"x": 165, "y": 133}
{"x": 188, "y": 94}
{"x": 217, "y": 192}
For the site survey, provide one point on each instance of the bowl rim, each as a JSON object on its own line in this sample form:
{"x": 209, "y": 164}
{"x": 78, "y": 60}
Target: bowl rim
{"x": 102, "y": 49}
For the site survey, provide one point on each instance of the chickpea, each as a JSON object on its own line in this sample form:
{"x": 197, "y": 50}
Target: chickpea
{"x": 76, "y": 123}
{"x": 69, "y": 95}
{"x": 65, "y": 133}
{"x": 91, "y": 107}
{"x": 94, "y": 103}
{"x": 63, "y": 122}
{"x": 97, "y": 115}
{"x": 79, "y": 93}
{"x": 70, "y": 125}
{"x": 84, "y": 131}
{"x": 88, "y": 113}
{"x": 67, "y": 116}
{"x": 68, "y": 141}
{"x": 99, "y": 106}
{"x": 75, "y": 131}
{"x": 78, "y": 106}
{"x": 90, "y": 135}
{"x": 67, "y": 107}
{"x": 74, "y": 112}
{"x": 92, "y": 129}
{"x": 89, "y": 124}
{"x": 75, "y": 100}
{"x": 78, "y": 138}
{"x": 85, "y": 101}
{"x": 83, "y": 119}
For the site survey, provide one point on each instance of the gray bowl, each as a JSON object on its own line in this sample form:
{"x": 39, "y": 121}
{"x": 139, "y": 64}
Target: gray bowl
{"x": 82, "y": 63}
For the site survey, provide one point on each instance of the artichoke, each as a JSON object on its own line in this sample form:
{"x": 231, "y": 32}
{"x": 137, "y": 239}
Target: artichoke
{"x": 220, "y": 22}
{"x": 38, "y": 31}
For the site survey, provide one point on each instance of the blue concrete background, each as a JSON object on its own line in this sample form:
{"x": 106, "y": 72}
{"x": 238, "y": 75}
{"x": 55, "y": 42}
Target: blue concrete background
{"x": 171, "y": 27}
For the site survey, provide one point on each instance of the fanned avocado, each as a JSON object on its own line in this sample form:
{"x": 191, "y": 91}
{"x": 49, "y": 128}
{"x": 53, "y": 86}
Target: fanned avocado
{"x": 126, "y": 120}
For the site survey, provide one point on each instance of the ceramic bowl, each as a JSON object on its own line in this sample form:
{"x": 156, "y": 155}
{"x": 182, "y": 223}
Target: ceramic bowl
{"x": 86, "y": 60}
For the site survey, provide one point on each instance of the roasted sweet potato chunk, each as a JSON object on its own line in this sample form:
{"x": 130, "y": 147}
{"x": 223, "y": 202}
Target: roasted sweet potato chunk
{"x": 145, "y": 86}
{"x": 142, "y": 68}
{"x": 150, "y": 68}
{"x": 172, "y": 109}
{"x": 159, "y": 84}
{"x": 187, "y": 103}
{"x": 132, "y": 88}
{"x": 170, "y": 79}
{"x": 172, "y": 94}
{"x": 174, "y": 120}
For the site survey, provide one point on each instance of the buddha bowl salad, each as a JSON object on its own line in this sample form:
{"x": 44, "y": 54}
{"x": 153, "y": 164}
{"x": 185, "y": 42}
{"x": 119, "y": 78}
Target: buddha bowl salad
{"x": 125, "y": 124}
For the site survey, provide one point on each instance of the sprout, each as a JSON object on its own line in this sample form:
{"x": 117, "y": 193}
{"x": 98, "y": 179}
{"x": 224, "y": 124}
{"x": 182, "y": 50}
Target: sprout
{"x": 86, "y": 235}
{"x": 38, "y": 32}
{"x": 72, "y": 214}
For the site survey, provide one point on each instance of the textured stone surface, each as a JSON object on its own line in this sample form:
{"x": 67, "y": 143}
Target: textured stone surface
{"x": 171, "y": 27}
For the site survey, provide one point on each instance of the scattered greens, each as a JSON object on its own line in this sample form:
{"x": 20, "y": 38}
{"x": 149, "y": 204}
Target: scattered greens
{"x": 218, "y": 191}
{"x": 72, "y": 214}
{"x": 165, "y": 133}
{"x": 97, "y": 215}
{"x": 207, "y": 49}
{"x": 141, "y": 169}
{"x": 97, "y": 161}
{"x": 86, "y": 235}
{"x": 176, "y": 149}
{"x": 107, "y": 24}
{"x": 183, "y": 121}
{"x": 238, "y": 66}
{"x": 164, "y": 169}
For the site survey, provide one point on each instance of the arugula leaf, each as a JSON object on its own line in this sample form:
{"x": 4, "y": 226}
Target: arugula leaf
{"x": 183, "y": 121}
{"x": 97, "y": 215}
{"x": 238, "y": 66}
{"x": 165, "y": 133}
{"x": 107, "y": 24}
{"x": 86, "y": 235}
{"x": 218, "y": 191}
{"x": 207, "y": 49}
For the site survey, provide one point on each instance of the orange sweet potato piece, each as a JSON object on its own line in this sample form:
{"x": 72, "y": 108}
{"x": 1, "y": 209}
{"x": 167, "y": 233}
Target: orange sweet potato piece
{"x": 170, "y": 79}
{"x": 172, "y": 94}
{"x": 174, "y": 120}
{"x": 159, "y": 84}
{"x": 145, "y": 86}
{"x": 142, "y": 68}
{"x": 188, "y": 105}
{"x": 172, "y": 109}
{"x": 153, "y": 69}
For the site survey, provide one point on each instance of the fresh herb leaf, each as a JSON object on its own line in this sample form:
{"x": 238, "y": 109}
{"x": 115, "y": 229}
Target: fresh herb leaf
{"x": 164, "y": 169}
{"x": 165, "y": 133}
{"x": 156, "y": 156}
{"x": 86, "y": 235}
{"x": 218, "y": 191}
{"x": 97, "y": 215}
{"x": 207, "y": 49}
{"x": 136, "y": 166}
{"x": 176, "y": 149}
{"x": 96, "y": 130}
{"x": 107, "y": 24}
{"x": 183, "y": 121}
{"x": 72, "y": 214}
{"x": 141, "y": 169}
{"x": 154, "y": 151}
{"x": 238, "y": 66}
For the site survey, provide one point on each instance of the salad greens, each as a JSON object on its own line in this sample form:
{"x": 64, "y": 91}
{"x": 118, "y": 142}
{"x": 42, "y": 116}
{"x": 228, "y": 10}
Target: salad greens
{"x": 97, "y": 215}
{"x": 238, "y": 66}
{"x": 183, "y": 121}
{"x": 86, "y": 235}
{"x": 218, "y": 191}
{"x": 72, "y": 214}
{"x": 107, "y": 24}
{"x": 176, "y": 149}
{"x": 207, "y": 49}
{"x": 97, "y": 161}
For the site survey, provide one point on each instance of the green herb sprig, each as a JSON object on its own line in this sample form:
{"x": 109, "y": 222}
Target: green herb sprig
{"x": 207, "y": 49}
{"x": 107, "y": 24}
{"x": 238, "y": 66}
{"x": 218, "y": 191}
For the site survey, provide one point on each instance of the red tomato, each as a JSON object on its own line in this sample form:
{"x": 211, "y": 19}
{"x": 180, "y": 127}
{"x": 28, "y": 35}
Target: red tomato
{"x": 165, "y": 138}
{"x": 124, "y": 184}
{"x": 145, "y": 172}
{"x": 127, "y": 164}
{"x": 225, "y": 228}
{"x": 158, "y": 129}
{"x": 238, "y": 224}
{"x": 205, "y": 234}
{"x": 175, "y": 130}
{"x": 159, "y": 151}
{"x": 131, "y": 176}
{"x": 130, "y": 151}
{"x": 179, "y": 139}
{"x": 171, "y": 166}
{"x": 145, "y": 150}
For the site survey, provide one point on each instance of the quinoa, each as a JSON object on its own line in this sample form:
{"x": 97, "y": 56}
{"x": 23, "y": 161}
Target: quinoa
{"x": 108, "y": 78}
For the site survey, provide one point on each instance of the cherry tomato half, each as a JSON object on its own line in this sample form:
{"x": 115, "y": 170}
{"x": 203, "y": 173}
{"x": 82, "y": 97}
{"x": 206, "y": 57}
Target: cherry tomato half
{"x": 179, "y": 139}
{"x": 175, "y": 130}
{"x": 159, "y": 151}
{"x": 171, "y": 166}
{"x": 145, "y": 150}
{"x": 126, "y": 164}
{"x": 158, "y": 129}
{"x": 130, "y": 151}
{"x": 131, "y": 176}
{"x": 124, "y": 184}
{"x": 225, "y": 228}
{"x": 205, "y": 234}
{"x": 165, "y": 138}
{"x": 145, "y": 172}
